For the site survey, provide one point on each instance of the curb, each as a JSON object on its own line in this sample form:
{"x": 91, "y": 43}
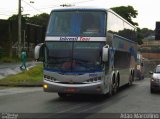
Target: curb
{"x": 21, "y": 85}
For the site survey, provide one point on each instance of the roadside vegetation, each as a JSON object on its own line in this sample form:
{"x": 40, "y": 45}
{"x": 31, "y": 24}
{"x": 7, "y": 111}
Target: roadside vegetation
{"x": 32, "y": 77}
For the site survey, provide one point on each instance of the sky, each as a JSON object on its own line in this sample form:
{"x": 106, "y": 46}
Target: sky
{"x": 148, "y": 10}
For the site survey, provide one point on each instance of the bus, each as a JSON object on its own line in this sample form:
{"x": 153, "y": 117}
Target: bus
{"x": 87, "y": 51}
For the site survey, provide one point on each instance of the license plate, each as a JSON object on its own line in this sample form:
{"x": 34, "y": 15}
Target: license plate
{"x": 70, "y": 90}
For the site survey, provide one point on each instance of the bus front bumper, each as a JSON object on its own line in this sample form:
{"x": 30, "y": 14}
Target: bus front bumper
{"x": 91, "y": 88}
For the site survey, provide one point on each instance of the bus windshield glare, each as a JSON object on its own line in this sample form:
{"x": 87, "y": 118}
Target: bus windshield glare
{"x": 77, "y": 23}
{"x": 74, "y": 56}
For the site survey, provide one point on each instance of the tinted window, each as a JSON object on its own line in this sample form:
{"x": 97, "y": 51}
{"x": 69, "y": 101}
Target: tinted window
{"x": 74, "y": 56}
{"x": 77, "y": 23}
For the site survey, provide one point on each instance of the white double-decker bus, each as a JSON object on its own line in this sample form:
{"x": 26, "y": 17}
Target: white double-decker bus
{"x": 87, "y": 51}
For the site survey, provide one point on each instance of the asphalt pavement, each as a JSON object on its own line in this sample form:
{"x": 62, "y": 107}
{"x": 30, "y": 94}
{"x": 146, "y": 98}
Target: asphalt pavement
{"x": 7, "y": 69}
{"x": 135, "y": 99}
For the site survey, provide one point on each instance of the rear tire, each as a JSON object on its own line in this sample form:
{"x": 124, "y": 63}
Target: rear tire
{"x": 133, "y": 76}
{"x": 131, "y": 79}
{"x": 115, "y": 86}
{"x": 113, "y": 89}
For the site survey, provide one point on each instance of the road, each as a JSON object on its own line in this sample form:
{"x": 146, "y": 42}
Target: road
{"x": 134, "y": 99}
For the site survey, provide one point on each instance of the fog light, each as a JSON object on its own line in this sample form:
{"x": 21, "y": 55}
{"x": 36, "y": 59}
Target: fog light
{"x": 45, "y": 86}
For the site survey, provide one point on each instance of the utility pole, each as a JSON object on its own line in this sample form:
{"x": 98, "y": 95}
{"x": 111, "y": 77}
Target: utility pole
{"x": 24, "y": 39}
{"x": 19, "y": 28}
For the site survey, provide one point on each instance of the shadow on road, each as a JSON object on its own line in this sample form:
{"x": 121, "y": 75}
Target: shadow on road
{"x": 92, "y": 97}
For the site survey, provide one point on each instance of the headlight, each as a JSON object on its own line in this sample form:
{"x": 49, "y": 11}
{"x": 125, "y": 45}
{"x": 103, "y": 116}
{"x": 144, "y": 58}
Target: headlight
{"x": 155, "y": 79}
{"x": 152, "y": 79}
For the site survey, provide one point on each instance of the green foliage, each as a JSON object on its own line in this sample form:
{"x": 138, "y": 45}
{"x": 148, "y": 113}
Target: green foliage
{"x": 139, "y": 36}
{"x": 33, "y": 33}
{"x": 147, "y": 32}
{"x": 41, "y": 19}
{"x": 127, "y": 13}
{"x": 14, "y": 18}
{"x": 142, "y": 33}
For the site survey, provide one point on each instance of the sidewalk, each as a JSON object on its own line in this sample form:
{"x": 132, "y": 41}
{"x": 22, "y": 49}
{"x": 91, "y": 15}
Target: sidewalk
{"x": 13, "y": 68}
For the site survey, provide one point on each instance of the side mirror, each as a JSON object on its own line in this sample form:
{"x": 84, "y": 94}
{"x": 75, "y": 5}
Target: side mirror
{"x": 39, "y": 52}
{"x": 105, "y": 53}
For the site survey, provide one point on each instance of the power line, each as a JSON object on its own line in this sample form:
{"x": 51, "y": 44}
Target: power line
{"x": 32, "y": 6}
{"x": 39, "y": 10}
{"x": 53, "y": 6}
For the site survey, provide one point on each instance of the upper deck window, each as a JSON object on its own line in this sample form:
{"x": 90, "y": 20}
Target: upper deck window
{"x": 77, "y": 23}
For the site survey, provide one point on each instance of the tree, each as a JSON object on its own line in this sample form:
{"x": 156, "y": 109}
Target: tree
{"x": 127, "y": 13}
{"x": 41, "y": 19}
{"x": 32, "y": 33}
{"x": 13, "y": 31}
{"x": 139, "y": 36}
{"x": 147, "y": 32}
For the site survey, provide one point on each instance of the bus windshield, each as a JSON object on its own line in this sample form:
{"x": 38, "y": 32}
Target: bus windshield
{"x": 74, "y": 56}
{"x": 77, "y": 23}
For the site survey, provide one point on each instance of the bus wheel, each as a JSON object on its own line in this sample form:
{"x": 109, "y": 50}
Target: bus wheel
{"x": 115, "y": 87}
{"x": 131, "y": 78}
{"x": 110, "y": 93}
{"x": 62, "y": 95}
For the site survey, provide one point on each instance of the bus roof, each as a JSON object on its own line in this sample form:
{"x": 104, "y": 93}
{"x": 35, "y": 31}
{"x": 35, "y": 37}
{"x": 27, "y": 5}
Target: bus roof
{"x": 79, "y": 8}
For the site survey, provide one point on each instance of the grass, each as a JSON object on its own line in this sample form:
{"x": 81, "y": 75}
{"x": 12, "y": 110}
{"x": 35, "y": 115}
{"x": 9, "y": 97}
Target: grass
{"x": 34, "y": 76}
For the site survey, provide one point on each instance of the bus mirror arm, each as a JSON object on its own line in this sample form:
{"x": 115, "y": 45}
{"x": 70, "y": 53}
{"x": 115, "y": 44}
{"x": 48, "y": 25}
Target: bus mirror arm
{"x": 105, "y": 53}
{"x": 39, "y": 52}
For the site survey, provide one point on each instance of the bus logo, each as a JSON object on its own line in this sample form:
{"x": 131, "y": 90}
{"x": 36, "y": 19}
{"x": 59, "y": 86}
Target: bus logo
{"x": 68, "y": 38}
{"x": 84, "y": 39}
